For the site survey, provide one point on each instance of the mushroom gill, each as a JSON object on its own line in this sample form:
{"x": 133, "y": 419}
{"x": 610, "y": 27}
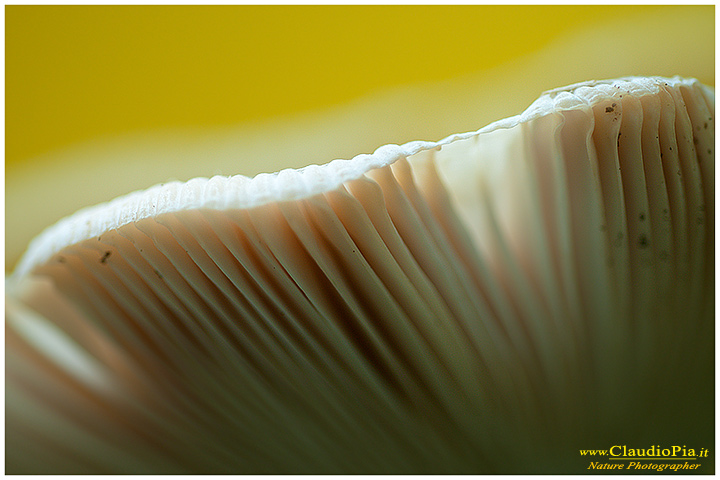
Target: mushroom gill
{"x": 490, "y": 303}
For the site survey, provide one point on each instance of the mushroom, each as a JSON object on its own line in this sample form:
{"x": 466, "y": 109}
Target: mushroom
{"x": 490, "y": 303}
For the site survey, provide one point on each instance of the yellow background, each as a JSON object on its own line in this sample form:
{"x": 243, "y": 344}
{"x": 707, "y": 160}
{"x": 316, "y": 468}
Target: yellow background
{"x": 78, "y": 74}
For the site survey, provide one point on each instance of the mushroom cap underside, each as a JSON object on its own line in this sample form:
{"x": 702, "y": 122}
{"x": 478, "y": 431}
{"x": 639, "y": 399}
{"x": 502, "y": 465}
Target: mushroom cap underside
{"x": 488, "y": 303}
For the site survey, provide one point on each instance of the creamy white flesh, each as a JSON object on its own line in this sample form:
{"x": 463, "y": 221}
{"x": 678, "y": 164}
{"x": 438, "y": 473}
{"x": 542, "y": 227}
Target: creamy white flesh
{"x": 483, "y": 304}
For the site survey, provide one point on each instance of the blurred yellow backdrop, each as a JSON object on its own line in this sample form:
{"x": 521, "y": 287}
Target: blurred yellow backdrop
{"x": 229, "y": 89}
{"x": 78, "y": 72}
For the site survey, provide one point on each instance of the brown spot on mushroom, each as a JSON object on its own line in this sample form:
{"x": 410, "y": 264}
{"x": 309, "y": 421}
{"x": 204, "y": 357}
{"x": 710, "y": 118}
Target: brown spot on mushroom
{"x": 643, "y": 241}
{"x": 105, "y": 256}
{"x": 609, "y": 109}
